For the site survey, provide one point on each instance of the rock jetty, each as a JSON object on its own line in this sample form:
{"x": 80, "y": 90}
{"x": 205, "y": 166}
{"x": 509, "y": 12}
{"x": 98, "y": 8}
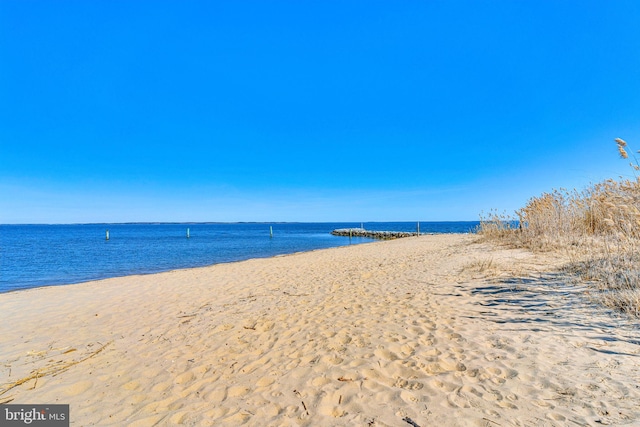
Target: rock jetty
{"x": 361, "y": 232}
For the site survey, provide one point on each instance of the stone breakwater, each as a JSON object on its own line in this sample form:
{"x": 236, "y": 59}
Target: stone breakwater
{"x": 361, "y": 232}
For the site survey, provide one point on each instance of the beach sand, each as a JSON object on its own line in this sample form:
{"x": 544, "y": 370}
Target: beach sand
{"x": 422, "y": 331}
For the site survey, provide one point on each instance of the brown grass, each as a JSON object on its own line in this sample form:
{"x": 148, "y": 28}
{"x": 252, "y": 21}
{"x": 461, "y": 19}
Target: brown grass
{"x": 485, "y": 266}
{"x": 598, "y": 227}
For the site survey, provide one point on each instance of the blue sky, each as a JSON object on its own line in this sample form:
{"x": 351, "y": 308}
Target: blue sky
{"x": 115, "y": 111}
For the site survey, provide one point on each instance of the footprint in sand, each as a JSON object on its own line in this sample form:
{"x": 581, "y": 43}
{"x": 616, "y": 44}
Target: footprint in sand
{"x": 265, "y": 381}
{"x": 458, "y": 350}
{"x": 320, "y": 381}
{"x": 492, "y": 396}
{"x": 178, "y": 418}
{"x": 507, "y": 405}
{"x": 408, "y": 350}
{"x": 410, "y": 398}
{"x": 238, "y": 391}
{"x": 385, "y": 354}
{"x": 494, "y": 371}
{"x": 185, "y": 377}
{"x": 427, "y": 340}
{"x": 416, "y": 330}
{"x": 237, "y": 419}
{"x": 456, "y": 399}
{"x": 131, "y": 385}
{"x": 311, "y": 359}
{"x": 137, "y": 398}
{"x": 497, "y": 380}
{"x": 470, "y": 390}
{"x": 78, "y": 388}
{"x": 433, "y": 368}
{"x": 217, "y": 396}
{"x": 329, "y": 404}
{"x": 446, "y": 386}
{"x": 162, "y": 386}
{"x": 556, "y": 417}
{"x": 543, "y": 404}
{"x": 270, "y": 410}
{"x": 218, "y": 412}
{"x": 264, "y": 326}
{"x": 334, "y": 360}
{"x": 431, "y": 352}
{"x": 359, "y": 342}
{"x": 411, "y": 385}
{"x": 291, "y": 410}
{"x": 169, "y": 404}
{"x": 456, "y": 337}
{"x": 146, "y": 422}
{"x": 493, "y": 356}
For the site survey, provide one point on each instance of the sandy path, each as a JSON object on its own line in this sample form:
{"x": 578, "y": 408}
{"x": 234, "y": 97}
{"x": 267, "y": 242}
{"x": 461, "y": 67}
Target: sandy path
{"x": 436, "y": 330}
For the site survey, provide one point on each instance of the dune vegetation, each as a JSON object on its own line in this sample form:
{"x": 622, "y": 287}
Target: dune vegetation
{"x": 598, "y": 227}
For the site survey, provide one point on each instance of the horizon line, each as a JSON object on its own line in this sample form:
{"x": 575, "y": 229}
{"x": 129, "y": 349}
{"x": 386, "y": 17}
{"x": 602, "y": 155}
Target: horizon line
{"x": 226, "y": 222}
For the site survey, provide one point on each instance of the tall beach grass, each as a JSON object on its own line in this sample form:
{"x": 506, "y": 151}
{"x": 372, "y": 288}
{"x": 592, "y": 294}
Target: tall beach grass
{"x": 598, "y": 227}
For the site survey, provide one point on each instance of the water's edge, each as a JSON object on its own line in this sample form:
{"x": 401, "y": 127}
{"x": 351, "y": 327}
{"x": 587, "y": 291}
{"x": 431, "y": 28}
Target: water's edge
{"x": 33, "y": 256}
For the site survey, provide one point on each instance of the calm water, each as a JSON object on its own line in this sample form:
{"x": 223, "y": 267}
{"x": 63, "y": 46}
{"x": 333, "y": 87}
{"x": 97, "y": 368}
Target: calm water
{"x": 42, "y": 255}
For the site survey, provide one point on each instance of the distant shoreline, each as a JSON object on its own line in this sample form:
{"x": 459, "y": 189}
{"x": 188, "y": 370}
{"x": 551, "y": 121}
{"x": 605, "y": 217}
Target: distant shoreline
{"x": 239, "y": 222}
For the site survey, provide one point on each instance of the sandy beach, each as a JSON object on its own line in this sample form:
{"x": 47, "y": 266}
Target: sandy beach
{"x": 421, "y": 331}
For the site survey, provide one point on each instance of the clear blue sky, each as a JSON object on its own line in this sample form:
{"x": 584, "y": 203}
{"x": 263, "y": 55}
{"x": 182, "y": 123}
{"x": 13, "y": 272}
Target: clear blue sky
{"x": 114, "y": 111}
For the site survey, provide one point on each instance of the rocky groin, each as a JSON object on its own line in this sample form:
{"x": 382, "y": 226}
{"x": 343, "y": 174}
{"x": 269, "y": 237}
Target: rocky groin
{"x": 361, "y": 232}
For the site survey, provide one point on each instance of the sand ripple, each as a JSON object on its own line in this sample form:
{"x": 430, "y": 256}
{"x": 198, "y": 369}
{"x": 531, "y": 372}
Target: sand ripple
{"x": 374, "y": 334}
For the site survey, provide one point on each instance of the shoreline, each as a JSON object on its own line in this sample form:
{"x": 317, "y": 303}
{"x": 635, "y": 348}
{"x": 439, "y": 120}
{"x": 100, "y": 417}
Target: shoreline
{"x": 67, "y": 283}
{"x": 45, "y": 255}
{"x": 417, "y": 328}
{"x": 100, "y": 279}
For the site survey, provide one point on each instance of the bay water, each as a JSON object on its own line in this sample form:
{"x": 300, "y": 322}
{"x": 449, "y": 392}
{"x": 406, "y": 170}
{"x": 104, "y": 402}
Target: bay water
{"x": 46, "y": 255}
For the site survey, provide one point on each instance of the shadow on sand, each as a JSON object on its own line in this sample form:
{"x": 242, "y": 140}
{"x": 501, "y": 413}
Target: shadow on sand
{"x": 553, "y": 301}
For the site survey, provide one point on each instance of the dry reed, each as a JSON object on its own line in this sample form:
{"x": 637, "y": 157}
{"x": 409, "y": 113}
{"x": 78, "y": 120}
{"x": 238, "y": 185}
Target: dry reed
{"x": 599, "y": 227}
{"x": 50, "y": 370}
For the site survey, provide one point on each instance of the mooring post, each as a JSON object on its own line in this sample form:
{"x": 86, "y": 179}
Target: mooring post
{"x": 271, "y": 231}
{"x": 107, "y": 235}
{"x": 188, "y": 235}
